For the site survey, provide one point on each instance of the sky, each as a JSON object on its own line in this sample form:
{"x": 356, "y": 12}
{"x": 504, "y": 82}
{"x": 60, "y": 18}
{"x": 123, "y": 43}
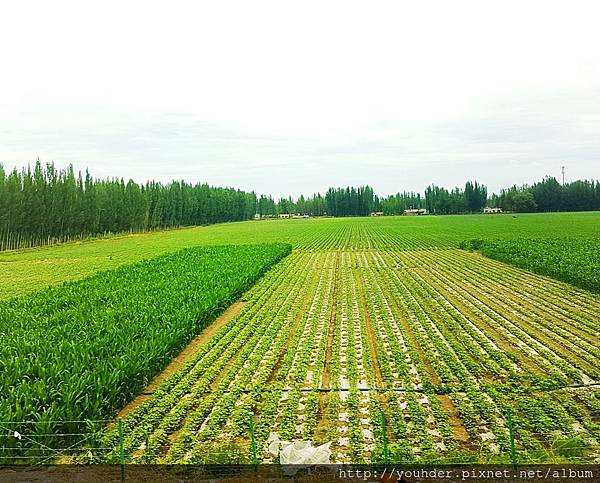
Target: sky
{"x": 287, "y": 98}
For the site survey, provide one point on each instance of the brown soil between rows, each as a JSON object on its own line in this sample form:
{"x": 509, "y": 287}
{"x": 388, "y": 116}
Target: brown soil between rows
{"x": 526, "y": 308}
{"x": 544, "y": 337}
{"x": 379, "y": 380}
{"x": 296, "y": 326}
{"x": 323, "y": 419}
{"x": 326, "y": 381}
{"x": 185, "y": 355}
{"x": 459, "y": 301}
{"x": 458, "y": 429}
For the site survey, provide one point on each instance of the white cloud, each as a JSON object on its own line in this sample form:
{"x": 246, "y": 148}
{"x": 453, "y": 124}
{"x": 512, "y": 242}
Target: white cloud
{"x": 287, "y": 97}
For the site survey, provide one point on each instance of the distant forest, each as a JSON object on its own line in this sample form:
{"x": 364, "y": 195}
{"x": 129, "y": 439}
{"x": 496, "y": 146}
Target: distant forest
{"x": 46, "y": 205}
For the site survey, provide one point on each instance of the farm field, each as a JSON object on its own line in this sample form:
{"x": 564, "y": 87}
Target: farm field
{"x": 24, "y": 271}
{"x": 81, "y": 351}
{"x": 345, "y": 338}
{"x": 378, "y": 335}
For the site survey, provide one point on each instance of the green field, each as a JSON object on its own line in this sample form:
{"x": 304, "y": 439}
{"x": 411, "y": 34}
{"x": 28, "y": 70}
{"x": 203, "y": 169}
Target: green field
{"x": 573, "y": 260}
{"x": 368, "y": 320}
{"x": 81, "y": 351}
{"x": 24, "y": 271}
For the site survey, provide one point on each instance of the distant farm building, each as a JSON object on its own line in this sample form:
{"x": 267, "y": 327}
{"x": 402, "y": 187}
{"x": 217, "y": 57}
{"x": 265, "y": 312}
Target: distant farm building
{"x": 487, "y": 209}
{"x": 415, "y": 211}
{"x": 284, "y": 215}
{"x": 377, "y": 213}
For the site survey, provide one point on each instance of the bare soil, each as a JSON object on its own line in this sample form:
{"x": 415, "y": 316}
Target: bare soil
{"x": 458, "y": 429}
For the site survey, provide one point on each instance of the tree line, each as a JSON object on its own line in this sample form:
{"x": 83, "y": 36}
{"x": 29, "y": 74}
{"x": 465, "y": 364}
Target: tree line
{"x": 46, "y": 205}
{"x": 549, "y": 195}
{"x": 349, "y": 201}
{"x": 440, "y": 201}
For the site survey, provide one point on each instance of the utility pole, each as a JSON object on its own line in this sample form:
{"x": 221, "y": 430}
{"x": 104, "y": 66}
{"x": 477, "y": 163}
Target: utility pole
{"x": 563, "y": 175}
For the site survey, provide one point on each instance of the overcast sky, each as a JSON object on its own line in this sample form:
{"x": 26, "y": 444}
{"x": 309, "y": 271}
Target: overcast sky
{"x": 292, "y": 97}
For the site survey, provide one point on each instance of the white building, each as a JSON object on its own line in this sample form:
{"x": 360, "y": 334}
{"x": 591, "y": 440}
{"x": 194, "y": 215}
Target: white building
{"x": 487, "y": 209}
{"x": 415, "y": 211}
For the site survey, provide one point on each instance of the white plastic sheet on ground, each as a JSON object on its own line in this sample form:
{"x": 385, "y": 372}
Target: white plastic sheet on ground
{"x": 298, "y": 452}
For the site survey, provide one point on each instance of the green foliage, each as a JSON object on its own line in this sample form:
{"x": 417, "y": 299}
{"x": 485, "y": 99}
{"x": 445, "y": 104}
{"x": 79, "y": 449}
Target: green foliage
{"x": 549, "y": 195}
{"x": 350, "y": 201}
{"x": 385, "y": 303}
{"x": 221, "y": 453}
{"x": 521, "y": 202}
{"x": 571, "y": 260}
{"x": 34, "y": 269}
{"x": 440, "y": 201}
{"x": 83, "y": 349}
{"x": 47, "y": 205}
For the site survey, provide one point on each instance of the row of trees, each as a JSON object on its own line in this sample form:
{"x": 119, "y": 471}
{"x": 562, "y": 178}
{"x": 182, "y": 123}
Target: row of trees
{"x": 472, "y": 199}
{"x": 396, "y": 204}
{"x": 549, "y": 195}
{"x": 350, "y": 201}
{"x": 315, "y": 205}
{"x": 341, "y": 202}
{"x": 544, "y": 196}
{"x": 44, "y": 205}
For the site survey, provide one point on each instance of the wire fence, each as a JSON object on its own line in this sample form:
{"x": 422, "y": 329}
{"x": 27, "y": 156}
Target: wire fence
{"x": 354, "y": 434}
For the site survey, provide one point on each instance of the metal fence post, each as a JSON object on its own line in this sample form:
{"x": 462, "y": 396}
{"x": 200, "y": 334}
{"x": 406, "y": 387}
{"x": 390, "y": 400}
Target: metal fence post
{"x": 511, "y": 434}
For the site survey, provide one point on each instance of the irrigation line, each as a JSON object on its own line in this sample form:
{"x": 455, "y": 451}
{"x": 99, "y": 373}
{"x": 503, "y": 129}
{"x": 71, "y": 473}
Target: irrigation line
{"x": 376, "y": 389}
{"x": 65, "y": 421}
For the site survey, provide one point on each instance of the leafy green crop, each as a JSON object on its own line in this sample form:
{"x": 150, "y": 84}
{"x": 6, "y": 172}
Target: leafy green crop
{"x": 81, "y": 350}
{"x": 572, "y": 260}
{"x": 29, "y": 270}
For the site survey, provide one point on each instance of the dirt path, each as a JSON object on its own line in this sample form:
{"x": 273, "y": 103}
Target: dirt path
{"x": 186, "y": 354}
